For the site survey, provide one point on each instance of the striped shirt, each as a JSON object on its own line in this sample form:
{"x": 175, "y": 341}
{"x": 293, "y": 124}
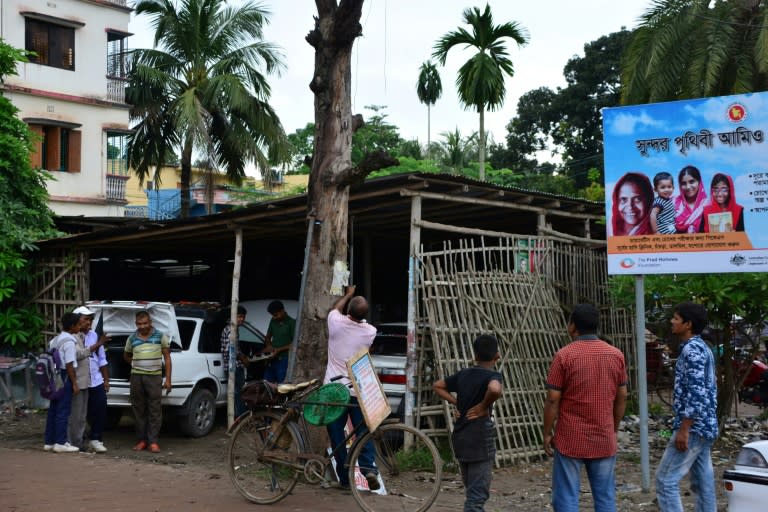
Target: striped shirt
{"x": 665, "y": 217}
{"x": 147, "y": 352}
{"x": 588, "y": 373}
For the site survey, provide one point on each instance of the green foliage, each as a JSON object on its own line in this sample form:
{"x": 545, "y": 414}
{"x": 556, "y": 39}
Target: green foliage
{"x": 696, "y": 48}
{"x": 301, "y": 146}
{"x": 408, "y": 165}
{"x": 562, "y": 185}
{"x": 24, "y": 215}
{"x": 429, "y": 87}
{"x": 375, "y": 134}
{"x": 567, "y": 120}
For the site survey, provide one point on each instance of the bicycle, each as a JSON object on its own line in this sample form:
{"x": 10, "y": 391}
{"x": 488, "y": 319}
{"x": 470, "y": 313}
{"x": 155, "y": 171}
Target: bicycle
{"x": 268, "y": 452}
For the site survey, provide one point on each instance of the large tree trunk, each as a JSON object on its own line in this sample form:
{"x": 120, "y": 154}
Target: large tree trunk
{"x": 481, "y": 145}
{"x": 336, "y": 29}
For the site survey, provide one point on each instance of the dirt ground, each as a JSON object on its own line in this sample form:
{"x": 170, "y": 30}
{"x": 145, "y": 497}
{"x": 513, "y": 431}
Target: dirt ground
{"x": 190, "y": 475}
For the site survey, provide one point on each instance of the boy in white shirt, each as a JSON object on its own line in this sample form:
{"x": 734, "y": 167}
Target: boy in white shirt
{"x": 58, "y": 410}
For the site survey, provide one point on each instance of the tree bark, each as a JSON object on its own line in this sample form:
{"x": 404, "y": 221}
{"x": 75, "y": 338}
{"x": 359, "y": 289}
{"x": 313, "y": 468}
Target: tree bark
{"x": 481, "y": 146}
{"x": 336, "y": 28}
{"x": 186, "y": 177}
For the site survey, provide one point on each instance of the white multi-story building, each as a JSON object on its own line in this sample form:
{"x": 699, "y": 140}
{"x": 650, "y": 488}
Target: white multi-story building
{"x": 72, "y": 93}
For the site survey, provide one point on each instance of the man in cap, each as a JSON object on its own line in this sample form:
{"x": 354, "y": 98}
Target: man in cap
{"x": 79, "y": 411}
{"x": 99, "y": 370}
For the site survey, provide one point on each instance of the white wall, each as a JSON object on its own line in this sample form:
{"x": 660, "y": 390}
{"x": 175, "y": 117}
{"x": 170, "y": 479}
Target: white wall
{"x": 64, "y": 95}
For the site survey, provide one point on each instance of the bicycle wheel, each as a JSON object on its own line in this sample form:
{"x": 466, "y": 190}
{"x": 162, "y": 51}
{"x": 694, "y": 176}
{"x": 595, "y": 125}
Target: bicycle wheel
{"x": 263, "y": 468}
{"x": 409, "y": 478}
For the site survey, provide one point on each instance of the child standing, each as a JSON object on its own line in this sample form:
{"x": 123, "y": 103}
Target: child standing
{"x": 474, "y": 434}
{"x": 58, "y": 410}
{"x": 663, "y": 210}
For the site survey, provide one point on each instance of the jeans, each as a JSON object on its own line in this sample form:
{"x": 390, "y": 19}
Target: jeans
{"x": 673, "y": 467}
{"x": 276, "y": 371}
{"x": 97, "y": 411}
{"x": 77, "y": 416}
{"x": 58, "y": 415}
{"x": 146, "y": 394}
{"x": 336, "y": 433}
{"x": 476, "y": 477}
{"x": 566, "y": 480}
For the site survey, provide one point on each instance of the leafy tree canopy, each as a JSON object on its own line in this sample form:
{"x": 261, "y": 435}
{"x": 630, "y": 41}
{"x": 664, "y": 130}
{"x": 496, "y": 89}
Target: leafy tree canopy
{"x": 24, "y": 213}
{"x": 568, "y": 120}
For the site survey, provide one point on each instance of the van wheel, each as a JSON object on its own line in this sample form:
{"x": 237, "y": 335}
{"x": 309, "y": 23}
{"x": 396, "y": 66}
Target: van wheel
{"x": 199, "y": 414}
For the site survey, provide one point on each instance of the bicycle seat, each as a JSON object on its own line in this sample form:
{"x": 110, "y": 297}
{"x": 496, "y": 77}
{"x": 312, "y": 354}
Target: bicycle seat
{"x": 287, "y": 388}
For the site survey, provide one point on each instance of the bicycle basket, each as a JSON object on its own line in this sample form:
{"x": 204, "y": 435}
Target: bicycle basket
{"x": 325, "y": 411}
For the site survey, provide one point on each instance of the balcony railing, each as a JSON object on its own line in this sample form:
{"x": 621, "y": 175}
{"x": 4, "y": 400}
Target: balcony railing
{"x": 116, "y": 188}
{"x": 137, "y": 211}
{"x": 116, "y": 89}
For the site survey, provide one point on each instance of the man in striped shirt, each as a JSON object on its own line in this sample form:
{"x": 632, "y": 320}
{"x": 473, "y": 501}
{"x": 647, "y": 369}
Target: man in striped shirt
{"x": 586, "y": 393}
{"x": 146, "y": 350}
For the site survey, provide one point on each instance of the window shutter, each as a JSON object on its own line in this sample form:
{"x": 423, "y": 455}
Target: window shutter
{"x": 36, "y": 156}
{"x": 53, "y": 148}
{"x": 73, "y": 157}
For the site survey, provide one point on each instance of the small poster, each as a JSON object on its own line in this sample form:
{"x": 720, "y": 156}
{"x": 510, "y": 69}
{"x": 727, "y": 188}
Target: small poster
{"x": 370, "y": 394}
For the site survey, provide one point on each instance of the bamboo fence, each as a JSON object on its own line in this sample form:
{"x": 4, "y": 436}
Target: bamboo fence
{"x": 519, "y": 289}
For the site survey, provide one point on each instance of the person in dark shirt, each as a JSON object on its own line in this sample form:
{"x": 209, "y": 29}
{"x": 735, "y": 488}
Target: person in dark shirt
{"x": 474, "y": 434}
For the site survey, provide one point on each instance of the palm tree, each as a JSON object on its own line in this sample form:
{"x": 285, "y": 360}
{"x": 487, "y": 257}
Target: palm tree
{"x": 480, "y": 81}
{"x": 456, "y": 150}
{"x": 203, "y": 89}
{"x": 697, "y": 48}
{"x": 429, "y": 88}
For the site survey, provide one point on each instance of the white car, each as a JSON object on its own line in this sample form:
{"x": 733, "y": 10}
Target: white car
{"x": 746, "y": 485}
{"x": 199, "y": 386}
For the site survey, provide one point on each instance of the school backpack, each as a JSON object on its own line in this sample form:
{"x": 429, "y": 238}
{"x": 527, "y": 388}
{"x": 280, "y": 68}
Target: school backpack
{"x": 48, "y": 375}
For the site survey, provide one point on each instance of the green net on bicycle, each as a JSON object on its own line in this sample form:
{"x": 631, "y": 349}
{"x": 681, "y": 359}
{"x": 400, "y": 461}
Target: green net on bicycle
{"x": 326, "y": 404}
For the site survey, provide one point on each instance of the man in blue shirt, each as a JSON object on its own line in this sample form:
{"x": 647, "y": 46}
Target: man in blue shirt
{"x": 694, "y": 427}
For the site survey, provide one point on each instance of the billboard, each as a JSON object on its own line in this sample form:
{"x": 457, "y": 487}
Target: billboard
{"x": 686, "y": 186}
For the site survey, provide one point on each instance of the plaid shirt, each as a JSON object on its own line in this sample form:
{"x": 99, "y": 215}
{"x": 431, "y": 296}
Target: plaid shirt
{"x": 588, "y": 373}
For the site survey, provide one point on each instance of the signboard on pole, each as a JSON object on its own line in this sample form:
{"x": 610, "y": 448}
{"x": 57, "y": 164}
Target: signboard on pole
{"x": 686, "y": 186}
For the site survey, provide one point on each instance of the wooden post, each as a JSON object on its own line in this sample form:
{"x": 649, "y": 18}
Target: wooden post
{"x": 410, "y": 367}
{"x": 233, "y": 334}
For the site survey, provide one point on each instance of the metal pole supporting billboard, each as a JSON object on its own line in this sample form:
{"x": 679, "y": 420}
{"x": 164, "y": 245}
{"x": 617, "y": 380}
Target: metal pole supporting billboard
{"x": 642, "y": 382}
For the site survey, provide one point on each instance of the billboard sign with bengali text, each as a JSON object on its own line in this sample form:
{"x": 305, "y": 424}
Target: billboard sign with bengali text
{"x": 686, "y": 186}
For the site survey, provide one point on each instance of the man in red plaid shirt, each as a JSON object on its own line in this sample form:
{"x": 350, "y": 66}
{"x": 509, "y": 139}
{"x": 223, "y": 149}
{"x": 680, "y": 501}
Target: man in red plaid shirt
{"x": 586, "y": 393}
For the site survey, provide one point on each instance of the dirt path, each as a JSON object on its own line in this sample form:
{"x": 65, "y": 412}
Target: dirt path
{"x": 190, "y": 475}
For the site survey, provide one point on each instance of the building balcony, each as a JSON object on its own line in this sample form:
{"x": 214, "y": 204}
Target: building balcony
{"x": 116, "y": 89}
{"x": 115, "y": 192}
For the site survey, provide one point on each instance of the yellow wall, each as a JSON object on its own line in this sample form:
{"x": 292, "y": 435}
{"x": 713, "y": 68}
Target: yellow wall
{"x": 170, "y": 177}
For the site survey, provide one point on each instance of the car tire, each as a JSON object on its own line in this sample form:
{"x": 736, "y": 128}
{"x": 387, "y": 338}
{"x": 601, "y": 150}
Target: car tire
{"x": 197, "y": 417}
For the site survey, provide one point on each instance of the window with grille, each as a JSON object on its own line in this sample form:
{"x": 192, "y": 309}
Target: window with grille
{"x": 54, "y": 45}
{"x": 117, "y": 158}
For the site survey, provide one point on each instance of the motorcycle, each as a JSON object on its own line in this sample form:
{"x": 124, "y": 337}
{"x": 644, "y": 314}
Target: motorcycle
{"x": 754, "y": 389}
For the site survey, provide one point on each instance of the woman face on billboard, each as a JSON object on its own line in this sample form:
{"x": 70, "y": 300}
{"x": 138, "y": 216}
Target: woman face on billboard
{"x": 632, "y": 204}
{"x": 689, "y": 186}
{"x": 721, "y": 190}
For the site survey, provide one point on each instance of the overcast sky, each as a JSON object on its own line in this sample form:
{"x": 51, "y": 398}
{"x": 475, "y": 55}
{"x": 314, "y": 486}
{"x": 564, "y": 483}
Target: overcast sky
{"x": 399, "y": 35}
